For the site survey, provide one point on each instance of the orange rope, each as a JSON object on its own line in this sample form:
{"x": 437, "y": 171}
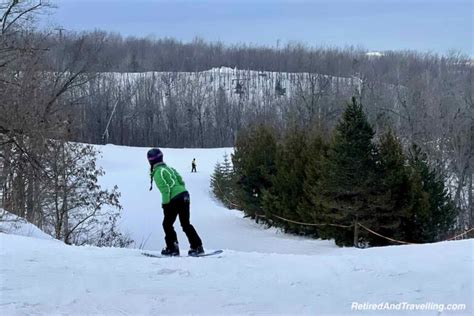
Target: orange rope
{"x": 310, "y": 224}
{"x": 223, "y": 194}
{"x": 410, "y": 243}
{"x": 467, "y": 231}
{"x": 388, "y": 238}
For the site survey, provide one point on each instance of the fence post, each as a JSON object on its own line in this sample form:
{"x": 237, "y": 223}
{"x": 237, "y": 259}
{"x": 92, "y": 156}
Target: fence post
{"x": 356, "y": 233}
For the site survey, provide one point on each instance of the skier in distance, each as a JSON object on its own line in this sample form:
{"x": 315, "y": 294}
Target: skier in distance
{"x": 193, "y": 165}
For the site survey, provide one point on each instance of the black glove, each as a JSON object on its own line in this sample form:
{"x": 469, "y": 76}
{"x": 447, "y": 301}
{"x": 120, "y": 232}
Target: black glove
{"x": 165, "y": 206}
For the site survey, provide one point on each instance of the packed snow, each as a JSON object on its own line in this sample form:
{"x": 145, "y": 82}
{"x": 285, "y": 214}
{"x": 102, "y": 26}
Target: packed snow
{"x": 262, "y": 271}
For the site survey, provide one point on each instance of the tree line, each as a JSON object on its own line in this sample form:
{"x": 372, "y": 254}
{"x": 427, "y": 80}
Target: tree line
{"x": 45, "y": 178}
{"x": 329, "y": 187}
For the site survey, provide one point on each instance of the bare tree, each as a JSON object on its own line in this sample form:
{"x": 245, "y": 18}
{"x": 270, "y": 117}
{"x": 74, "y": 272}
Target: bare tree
{"x": 76, "y": 210}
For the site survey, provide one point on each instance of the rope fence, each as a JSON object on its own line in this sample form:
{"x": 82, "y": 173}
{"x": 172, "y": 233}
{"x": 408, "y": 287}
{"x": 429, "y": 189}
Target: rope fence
{"x": 413, "y": 243}
{"x": 344, "y": 226}
{"x": 311, "y": 224}
{"x": 225, "y": 196}
{"x": 364, "y": 227}
{"x": 388, "y": 238}
{"x": 462, "y": 234}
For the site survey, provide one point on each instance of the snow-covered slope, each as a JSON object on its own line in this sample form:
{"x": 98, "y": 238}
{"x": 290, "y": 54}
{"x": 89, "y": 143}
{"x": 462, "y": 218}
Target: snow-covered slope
{"x": 39, "y": 277}
{"x": 258, "y": 86}
{"x": 218, "y": 227}
{"x": 14, "y": 225}
{"x": 261, "y": 270}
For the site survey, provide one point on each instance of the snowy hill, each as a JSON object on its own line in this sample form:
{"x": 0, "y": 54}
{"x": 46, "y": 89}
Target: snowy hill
{"x": 261, "y": 271}
{"x": 258, "y": 86}
{"x": 14, "y": 225}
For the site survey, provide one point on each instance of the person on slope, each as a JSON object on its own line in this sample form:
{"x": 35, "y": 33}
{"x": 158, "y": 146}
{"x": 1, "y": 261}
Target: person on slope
{"x": 193, "y": 165}
{"x": 175, "y": 202}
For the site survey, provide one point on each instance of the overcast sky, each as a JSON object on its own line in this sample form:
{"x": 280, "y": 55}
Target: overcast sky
{"x": 423, "y": 25}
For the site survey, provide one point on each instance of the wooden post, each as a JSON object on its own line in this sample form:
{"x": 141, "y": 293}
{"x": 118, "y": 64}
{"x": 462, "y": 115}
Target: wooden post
{"x": 356, "y": 233}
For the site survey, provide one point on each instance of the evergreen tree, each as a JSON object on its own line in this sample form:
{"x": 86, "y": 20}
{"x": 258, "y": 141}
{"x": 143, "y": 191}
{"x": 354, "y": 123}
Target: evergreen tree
{"x": 217, "y": 180}
{"x": 229, "y": 181}
{"x": 433, "y": 214}
{"x": 310, "y": 208}
{"x": 222, "y": 182}
{"x": 391, "y": 199}
{"x": 254, "y": 164}
{"x": 286, "y": 190}
{"x": 349, "y": 172}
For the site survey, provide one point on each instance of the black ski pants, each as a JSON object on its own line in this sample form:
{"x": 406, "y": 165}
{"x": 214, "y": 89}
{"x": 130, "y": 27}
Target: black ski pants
{"x": 179, "y": 206}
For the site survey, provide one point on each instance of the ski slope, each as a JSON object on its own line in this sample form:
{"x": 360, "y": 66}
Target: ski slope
{"x": 218, "y": 227}
{"x": 261, "y": 271}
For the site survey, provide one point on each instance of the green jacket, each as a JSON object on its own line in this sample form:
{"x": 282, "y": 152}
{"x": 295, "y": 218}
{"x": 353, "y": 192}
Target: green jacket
{"x": 168, "y": 180}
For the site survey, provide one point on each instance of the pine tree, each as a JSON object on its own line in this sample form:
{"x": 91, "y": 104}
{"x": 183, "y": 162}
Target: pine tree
{"x": 285, "y": 193}
{"x": 229, "y": 180}
{"x": 309, "y": 208}
{"x": 254, "y": 164}
{"x": 433, "y": 214}
{"x": 223, "y": 183}
{"x": 217, "y": 180}
{"x": 391, "y": 198}
{"x": 348, "y": 173}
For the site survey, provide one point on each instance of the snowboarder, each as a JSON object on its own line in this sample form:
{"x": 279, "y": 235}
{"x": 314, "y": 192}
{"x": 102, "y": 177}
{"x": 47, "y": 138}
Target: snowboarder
{"x": 193, "y": 165}
{"x": 175, "y": 202}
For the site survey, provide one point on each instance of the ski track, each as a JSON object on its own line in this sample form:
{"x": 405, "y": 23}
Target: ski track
{"x": 262, "y": 271}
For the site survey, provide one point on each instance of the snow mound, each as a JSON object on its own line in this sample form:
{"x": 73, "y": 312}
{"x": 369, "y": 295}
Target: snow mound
{"x": 14, "y": 225}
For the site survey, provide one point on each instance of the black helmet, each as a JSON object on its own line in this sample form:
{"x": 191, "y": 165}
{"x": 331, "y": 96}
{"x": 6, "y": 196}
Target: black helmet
{"x": 154, "y": 156}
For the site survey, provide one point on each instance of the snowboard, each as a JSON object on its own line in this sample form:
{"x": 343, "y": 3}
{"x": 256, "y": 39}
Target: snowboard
{"x": 206, "y": 254}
